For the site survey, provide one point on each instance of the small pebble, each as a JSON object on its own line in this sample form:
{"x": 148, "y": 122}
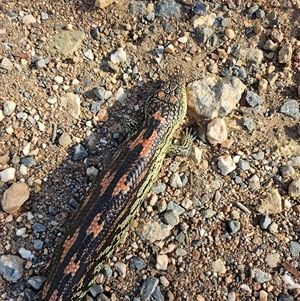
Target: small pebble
{"x": 234, "y": 226}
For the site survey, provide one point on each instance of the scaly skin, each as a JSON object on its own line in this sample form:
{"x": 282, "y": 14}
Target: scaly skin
{"x": 99, "y": 222}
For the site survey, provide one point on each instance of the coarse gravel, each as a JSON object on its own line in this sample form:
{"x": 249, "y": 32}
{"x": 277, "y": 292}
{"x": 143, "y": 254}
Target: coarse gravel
{"x": 222, "y": 224}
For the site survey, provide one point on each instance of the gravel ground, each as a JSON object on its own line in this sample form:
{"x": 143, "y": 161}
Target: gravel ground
{"x": 222, "y": 225}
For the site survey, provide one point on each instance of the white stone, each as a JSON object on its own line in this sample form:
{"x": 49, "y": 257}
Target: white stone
{"x": 218, "y": 266}
{"x": 216, "y": 131}
{"x": 119, "y": 56}
{"x": 1, "y": 115}
{"x": 41, "y": 126}
{"x": 58, "y": 79}
{"x": 23, "y": 169}
{"x": 26, "y": 254}
{"x": 290, "y": 282}
{"x": 183, "y": 39}
{"x": 170, "y": 49}
{"x": 226, "y": 164}
{"x": 28, "y": 19}
{"x": 7, "y": 174}
{"x": 8, "y": 107}
{"x": 89, "y": 54}
{"x": 162, "y": 262}
{"x": 26, "y": 149}
{"x": 75, "y": 82}
{"x": 52, "y": 100}
{"x": 164, "y": 281}
{"x": 121, "y": 95}
{"x": 21, "y": 231}
{"x": 92, "y": 171}
{"x": 9, "y": 130}
{"x": 6, "y": 64}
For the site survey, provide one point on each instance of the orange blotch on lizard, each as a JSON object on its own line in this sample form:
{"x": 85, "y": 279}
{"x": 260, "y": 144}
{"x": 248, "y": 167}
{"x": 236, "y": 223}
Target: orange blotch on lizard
{"x": 121, "y": 186}
{"x": 54, "y": 296}
{"x": 95, "y": 228}
{"x": 161, "y": 94}
{"x": 158, "y": 116}
{"x": 173, "y": 99}
{"x": 72, "y": 267}
{"x": 105, "y": 183}
{"x": 68, "y": 244}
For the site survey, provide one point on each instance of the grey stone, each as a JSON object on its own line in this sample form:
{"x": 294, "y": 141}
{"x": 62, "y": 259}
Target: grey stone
{"x": 251, "y": 10}
{"x": 180, "y": 237}
{"x": 44, "y": 16}
{"x": 107, "y": 271}
{"x": 28, "y": 161}
{"x": 261, "y": 276}
{"x": 214, "y": 97}
{"x": 177, "y": 181}
{"x": 137, "y": 8}
{"x": 180, "y": 252}
{"x": 8, "y": 107}
{"x": 244, "y": 165}
{"x": 38, "y": 244}
{"x": 265, "y": 222}
{"x": 258, "y": 156}
{"x": 157, "y": 294}
{"x": 159, "y": 188}
{"x": 148, "y": 288}
{"x": 11, "y": 267}
{"x": 234, "y": 226}
{"x": 6, "y": 64}
{"x": 171, "y": 217}
{"x": 208, "y": 213}
{"x": 253, "y": 99}
{"x": 95, "y": 107}
{"x": 137, "y": 263}
{"x": 177, "y": 208}
{"x": 295, "y": 248}
{"x": 66, "y": 42}
{"x": 248, "y": 123}
{"x": 38, "y": 227}
{"x": 285, "y": 297}
{"x": 40, "y": 63}
{"x": 285, "y": 53}
{"x": 290, "y": 108}
{"x": 102, "y": 93}
{"x": 199, "y": 8}
{"x": 203, "y": 33}
{"x": 287, "y": 171}
{"x": 260, "y": 14}
{"x": 168, "y": 9}
{"x": 294, "y": 188}
{"x": 37, "y": 281}
{"x": 65, "y": 140}
{"x": 79, "y": 152}
{"x": 96, "y": 289}
{"x": 294, "y": 161}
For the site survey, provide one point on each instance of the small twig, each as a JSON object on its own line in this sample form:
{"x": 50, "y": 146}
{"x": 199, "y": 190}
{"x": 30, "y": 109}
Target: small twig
{"x": 54, "y": 133}
{"x": 291, "y": 269}
{"x": 242, "y": 207}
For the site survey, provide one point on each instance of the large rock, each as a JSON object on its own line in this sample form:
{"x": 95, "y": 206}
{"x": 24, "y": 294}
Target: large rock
{"x": 214, "y": 97}
{"x": 11, "y": 267}
{"x": 66, "y": 42}
{"x": 271, "y": 204}
{"x": 14, "y": 197}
